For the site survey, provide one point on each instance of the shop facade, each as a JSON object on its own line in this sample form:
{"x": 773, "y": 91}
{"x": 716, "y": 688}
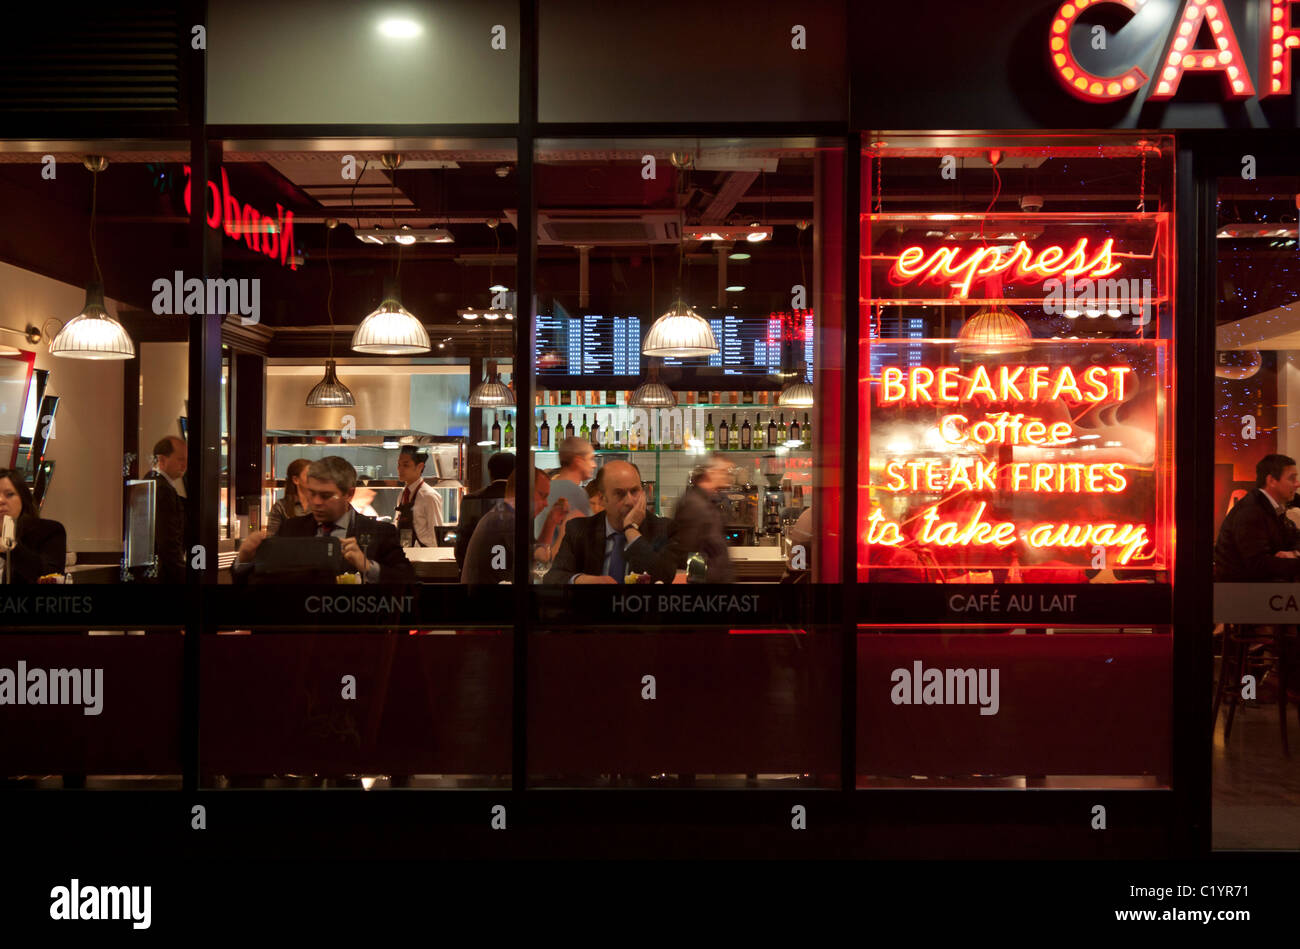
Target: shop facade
{"x": 1004, "y": 450}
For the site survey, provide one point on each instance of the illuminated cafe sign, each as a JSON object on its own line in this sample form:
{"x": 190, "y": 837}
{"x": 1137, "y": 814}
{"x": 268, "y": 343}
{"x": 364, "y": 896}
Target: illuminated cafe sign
{"x": 951, "y": 265}
{"x": 1181, "y": 55}
{"x": 1047, "y": 439}
{"x": 272, "y": 236}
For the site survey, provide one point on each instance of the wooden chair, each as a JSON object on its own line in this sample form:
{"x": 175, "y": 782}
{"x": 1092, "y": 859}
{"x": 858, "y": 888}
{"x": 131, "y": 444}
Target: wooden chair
{"x": 1241, "y": 658}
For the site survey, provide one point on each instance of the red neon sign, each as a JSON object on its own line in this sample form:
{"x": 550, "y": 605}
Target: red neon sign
{"x": 262, "y": 233}
{"x": 1181, "y": 54}
{"x": 952, "y": 265}
{"x": 949, "y": 385}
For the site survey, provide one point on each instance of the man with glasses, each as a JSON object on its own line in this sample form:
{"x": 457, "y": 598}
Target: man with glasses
{"x": 370, "y": 546}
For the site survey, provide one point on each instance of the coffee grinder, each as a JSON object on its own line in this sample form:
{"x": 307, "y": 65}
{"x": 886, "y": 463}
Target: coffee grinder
{"x": 773, "y": 502}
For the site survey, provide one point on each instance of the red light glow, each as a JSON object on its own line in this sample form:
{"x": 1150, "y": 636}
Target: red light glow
{"x": 1079, "y": 81}
{"x": 1277, "y": 39}
{"x": 1224, "y": 58}
{"x": 950, "y": 265}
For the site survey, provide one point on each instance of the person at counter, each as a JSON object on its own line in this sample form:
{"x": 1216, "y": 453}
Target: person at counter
{"x": 495, "y": 532}
{"x": 698, "y": 517}
{"x": 1257, "y": 542}
{"x": 292, "y": 504}
{"x": 577, "y": 465}
{"x": 170, "y": 459}
{"x": 39, "y": 545}
{"x": 604, "y": 548}
{"x": 477, "y": 503}
{"x": 331, "y": 483}
{"x": 419, "y": 509}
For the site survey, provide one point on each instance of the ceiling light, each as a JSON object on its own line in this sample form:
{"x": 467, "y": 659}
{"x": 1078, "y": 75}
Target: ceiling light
{"x": 738, "y": 257}
{"x": 994, "y": 331}
{"x": 754, "y": 232}
{"x": 391, "y": 329}
{"x": 652, "y": 393}
{"x": 680, "y": 333}
{"x": 797, "y": 393}
{"x": 491, "y": 393}
{"x": 330, "y": 392}
{"x": 735, "y": 289}
{"x": 400, "y": 28}
{"x": 491, "y": 314}
{"x": 406, "y": 235}
{"x": 469, "y": 314}
{"x": 498, "y": 288}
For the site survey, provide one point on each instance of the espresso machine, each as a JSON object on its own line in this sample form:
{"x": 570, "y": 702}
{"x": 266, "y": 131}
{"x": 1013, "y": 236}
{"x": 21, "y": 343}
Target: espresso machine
{"x": 773, "y": 505}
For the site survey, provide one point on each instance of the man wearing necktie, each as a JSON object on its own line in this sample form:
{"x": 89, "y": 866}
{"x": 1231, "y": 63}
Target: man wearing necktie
{"x": 1257, "y": 541}
{"x": 624, "y": 538}
{"x": 419, "y": 509}
{"x": 370, "y": 546}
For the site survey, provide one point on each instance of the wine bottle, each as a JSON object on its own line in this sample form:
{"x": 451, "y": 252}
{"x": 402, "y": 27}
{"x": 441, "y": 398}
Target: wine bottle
{"x": 564, "y": 397}
{"x": 631, "y": 437}
{"x": 594, "y": 437}
{"x": 722, "y": 434}
{"x": 771, "y": 431}
{"x": 568, "y": 429}
{"x": 708, "y": 433}
{"x": 758, "y": 432}
{"x": 509, "y": 433}
{"x": 746, "y": 436}
{"x": 585, "y": 431}
{"x": 496, "y": 432}
{"x": 807, "y": 431}
{"x": 544, "y": 435}
{"x": 782, "y": 433}
{"x": 794, "y": 428}
{"x": 611, "y": 398}
{"x": 749, "y": 397}
{"x": 734, "y": 434}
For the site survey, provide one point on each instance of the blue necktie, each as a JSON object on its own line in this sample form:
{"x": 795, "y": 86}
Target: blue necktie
{"x": 617, "y": 565}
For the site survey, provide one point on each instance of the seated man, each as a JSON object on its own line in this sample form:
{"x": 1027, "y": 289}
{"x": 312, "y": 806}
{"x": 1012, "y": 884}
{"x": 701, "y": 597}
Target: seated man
{"x": 1257, "y": 541}
{"x": 331, "y": 482}
{"x": 489, "y": 558}
{"x": 604, "y": 548}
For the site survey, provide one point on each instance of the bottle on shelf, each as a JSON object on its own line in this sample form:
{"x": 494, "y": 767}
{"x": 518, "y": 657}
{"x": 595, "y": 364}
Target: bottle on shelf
{"x": 509, "y": 433}
{"x": 794, "y": 428}
{"x": 708, "y": 433}
{"x": 568, "y": 429}
{"x": 496, "y": 432}
{"x": 782, "y": 433}
{"x": 771, "y": 431}
{"x": 585, "y": 431}
{"x": 748, "y": 397}
{"x": 722, "y": 434}
{"x": 758, "y": 435}
{"x": 611, "y": 398}
{"x": 733, "y": 434}
{"x": 681, "y": 434}
{"x": 564, "y": 397}
{"x": 648, "y": 444}
{"x": 746, "y": 436}
{"x": 807, "y": 431}
{"x": 631, "y": 437}
{"x": 544, "y": 434}
{"x": 594, "y": 437}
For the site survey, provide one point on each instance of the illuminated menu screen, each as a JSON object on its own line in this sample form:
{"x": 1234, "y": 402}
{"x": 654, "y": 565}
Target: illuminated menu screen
{"x": 751, "y": 346}
{"x": 589, "y": 344}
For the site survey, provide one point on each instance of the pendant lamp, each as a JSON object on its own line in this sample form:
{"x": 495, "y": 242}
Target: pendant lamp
{"x": 391, "y": 329}
{"x": 994, "y": 331}
{"x": 93, "y": 333}
{"x": 681, "y": 332}
{"x": 491, "y": 393}
{"x": 652, "y": 393}
{"x": 796, "y": 393}
{"x": 330, "y": 392}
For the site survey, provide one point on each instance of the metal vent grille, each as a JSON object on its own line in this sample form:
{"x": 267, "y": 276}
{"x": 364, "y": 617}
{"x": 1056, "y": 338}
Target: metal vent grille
{"x": 110, "y": 58}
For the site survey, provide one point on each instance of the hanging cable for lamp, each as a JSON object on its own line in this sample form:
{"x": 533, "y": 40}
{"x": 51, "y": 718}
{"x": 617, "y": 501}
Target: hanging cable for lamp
{"x": 94, "y": 201}
{"x": 997, "y": 192}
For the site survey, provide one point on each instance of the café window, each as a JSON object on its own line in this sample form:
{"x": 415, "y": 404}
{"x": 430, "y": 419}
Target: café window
{"x": 1014, "y": 360}
{"x": 689, "y": 322}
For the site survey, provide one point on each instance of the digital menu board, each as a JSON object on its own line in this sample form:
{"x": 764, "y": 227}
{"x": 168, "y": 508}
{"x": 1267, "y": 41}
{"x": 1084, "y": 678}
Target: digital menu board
{"x": 587, "y": 344}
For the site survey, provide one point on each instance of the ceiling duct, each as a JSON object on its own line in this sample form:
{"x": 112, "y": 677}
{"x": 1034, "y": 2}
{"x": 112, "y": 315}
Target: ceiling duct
{"x": 606, "y": 230}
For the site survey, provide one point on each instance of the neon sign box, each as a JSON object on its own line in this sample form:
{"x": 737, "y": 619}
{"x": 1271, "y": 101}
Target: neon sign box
{"x": 1057, "y": 457}
{"x": 1181, "y": 55}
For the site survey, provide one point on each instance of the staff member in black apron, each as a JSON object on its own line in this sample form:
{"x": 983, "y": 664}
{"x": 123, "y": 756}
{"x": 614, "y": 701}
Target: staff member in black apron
{"x": 419, "y": 510}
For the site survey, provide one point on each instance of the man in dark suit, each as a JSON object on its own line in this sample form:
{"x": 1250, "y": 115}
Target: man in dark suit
{"x": 625, "y": 538}
{"x": 170, "y": 459}
{"x": 1257, "y": 541}
{"x": 331, "y": 482}
{"x": 698, "y": 516}
{"x": 477, "y": 503}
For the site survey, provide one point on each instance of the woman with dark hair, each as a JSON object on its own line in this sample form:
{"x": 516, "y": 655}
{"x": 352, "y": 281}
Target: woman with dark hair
{"x": 40, "y": 545}
{"x": 293, "y": 504}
